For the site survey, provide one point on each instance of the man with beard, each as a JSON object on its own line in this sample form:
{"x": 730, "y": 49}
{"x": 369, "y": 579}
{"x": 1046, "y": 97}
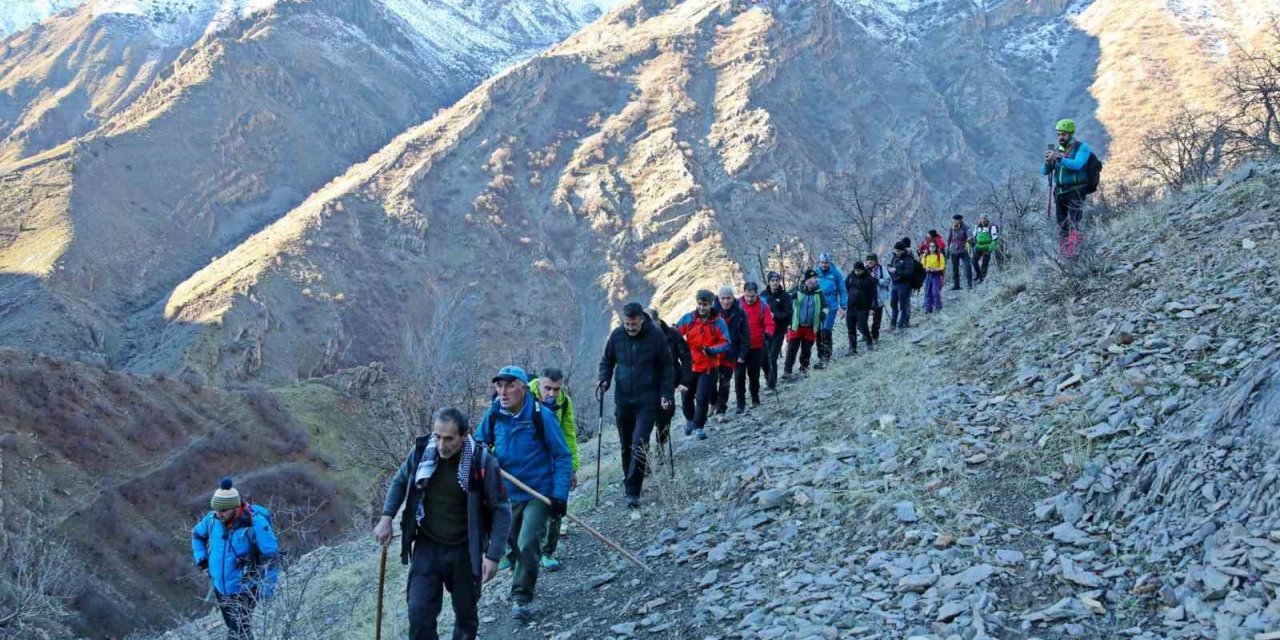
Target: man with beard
{"x": 779, "y": 302}
{"x": 708, "y": 338}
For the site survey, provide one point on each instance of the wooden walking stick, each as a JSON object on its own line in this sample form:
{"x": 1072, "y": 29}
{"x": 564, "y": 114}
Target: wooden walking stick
{"x": 382, "y": 580}
{"x": 586, "y": 527}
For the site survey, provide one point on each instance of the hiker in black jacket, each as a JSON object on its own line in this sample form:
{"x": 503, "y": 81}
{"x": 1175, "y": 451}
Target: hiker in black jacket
{"x": 862, "y": 291}
{"x": 779, "y": 301}
{"x": 739, "y": 343}
{"x": 637, "y": 362}
{"x": 682, "y": 369}
{"x": 901, "y": 270}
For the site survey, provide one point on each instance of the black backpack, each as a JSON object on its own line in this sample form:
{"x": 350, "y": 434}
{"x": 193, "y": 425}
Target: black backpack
{"x": 917, "y": 274}
{"x": 491, "y": 442}
{"x": 1092, "y": 172}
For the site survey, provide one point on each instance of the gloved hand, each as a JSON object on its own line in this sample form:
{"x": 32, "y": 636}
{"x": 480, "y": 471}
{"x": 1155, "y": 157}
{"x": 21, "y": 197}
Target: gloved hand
{"x": 559, "y": 508}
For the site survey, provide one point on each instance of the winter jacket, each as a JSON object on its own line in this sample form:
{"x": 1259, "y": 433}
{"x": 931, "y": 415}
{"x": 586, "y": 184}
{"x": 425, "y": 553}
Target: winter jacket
{"x": 563, "y": 408}
{"x": 682, "y": 359}
{"x": 884, "y": 283}
{"x": 759, "y": 320}
{"x": 933, "y": 262}
{"x": 779, "y": 305}
{"x": 1069, "y": 172}
{"x": 242, "y": 558}
{"x": 488, "y": 510}
{"x": 958, "y": 239}
{"x": 708, "y": 339}
{"x": 939, "y": 241}
{"x": 736, "y": 319}
{"x": 903, "y": 267}
{"x": 985, "y": 237}
{"x": 545, "y": 464}
{"x": 862, "y": 292}
{"x": 813, "y": 319}
{"x": 831, "y": 284}
{"x": 640, "y": 366}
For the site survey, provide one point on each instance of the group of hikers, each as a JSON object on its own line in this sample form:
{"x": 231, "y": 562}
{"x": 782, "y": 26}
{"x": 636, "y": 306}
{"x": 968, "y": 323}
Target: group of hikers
{"x": 480, "y": 499}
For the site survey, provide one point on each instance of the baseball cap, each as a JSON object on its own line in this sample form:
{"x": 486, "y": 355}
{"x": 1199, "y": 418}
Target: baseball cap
{"x": 512, "y": 373}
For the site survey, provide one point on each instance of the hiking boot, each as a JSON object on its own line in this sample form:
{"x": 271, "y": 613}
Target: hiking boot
{"x": 522, "y": 612}
{"x": 742, "y": 408}
{"x": 701, "y": 433}
{"x": 504, "y": 563}
{"x": 756, "y": 402}
{"x": 688, "y": 428}
{"x": 804, "y": 372}
{"x": 633, "y": 502}
{"x": 550, "y": 563}
{"x": 819, "y": 366}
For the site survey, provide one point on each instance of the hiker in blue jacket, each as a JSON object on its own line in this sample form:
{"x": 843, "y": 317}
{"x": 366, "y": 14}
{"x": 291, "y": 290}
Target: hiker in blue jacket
{"x": 1067, "y": 164}
{"x": 236, "y": 545}
{"x": 834, "y": 296}
{"x": 532, "y": 449}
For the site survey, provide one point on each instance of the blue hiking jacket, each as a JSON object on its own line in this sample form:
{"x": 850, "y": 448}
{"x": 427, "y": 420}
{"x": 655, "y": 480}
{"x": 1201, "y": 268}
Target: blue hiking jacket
{"x": 230, "y": 552}
{"x": 545, "y": 464}
{"x": 1070, "y": 172}
{"x": 831, "y": 284}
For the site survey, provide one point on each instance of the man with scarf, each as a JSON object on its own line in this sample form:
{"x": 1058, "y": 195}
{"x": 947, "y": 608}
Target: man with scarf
{"x": 454, "y": 527}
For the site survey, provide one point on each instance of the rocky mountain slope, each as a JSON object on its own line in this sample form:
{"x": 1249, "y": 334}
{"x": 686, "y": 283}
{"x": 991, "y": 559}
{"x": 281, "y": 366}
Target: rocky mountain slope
{"x": 141, "y": 146}
{"x": 1081, "y": 453}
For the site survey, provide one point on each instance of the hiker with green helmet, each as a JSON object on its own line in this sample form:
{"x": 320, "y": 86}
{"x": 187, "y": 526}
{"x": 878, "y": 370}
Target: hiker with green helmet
{"x": 985, "y": 237}
{"x": 1067, "y": 164}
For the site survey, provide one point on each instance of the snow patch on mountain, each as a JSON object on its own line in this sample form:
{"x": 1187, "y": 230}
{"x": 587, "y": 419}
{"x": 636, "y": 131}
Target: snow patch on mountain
{"x": 16, "y": 15}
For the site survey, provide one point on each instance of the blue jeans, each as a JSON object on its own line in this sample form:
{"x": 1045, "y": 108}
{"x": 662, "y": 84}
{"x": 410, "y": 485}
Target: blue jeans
{"x": 900, "y": 305}
{"x": 958, "y": 259}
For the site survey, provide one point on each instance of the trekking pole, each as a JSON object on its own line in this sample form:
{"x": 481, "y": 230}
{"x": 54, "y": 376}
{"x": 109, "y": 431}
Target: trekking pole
{"x": 382, "y": 580}
{"x": 599, "y": 440}
{"x": 586, "y": 527}
{"x": 671, "y": 451}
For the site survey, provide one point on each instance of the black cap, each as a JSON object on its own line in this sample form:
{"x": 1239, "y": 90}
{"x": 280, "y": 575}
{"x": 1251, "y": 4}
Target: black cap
{"x": 902, "y": 245}
{"x": 810, "y": 273}
{"x": 632, "y": 310}
{"x": 704, "y": 294}
{"x": 957, "y": 217}
{"x": 858, "y": 266}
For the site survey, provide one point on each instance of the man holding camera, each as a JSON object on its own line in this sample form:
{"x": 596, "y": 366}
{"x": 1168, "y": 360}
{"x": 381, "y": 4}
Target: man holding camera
{"x": 1067, "y": 164}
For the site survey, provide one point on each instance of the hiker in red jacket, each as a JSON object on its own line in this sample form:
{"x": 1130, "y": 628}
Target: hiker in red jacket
{"x": 760, "y": 329}
{"x": 708, "y": 339}
{"x": 933, "y": 238}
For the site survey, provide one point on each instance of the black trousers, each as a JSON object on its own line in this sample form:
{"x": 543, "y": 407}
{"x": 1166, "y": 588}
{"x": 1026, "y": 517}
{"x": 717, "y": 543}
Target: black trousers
{"x": 433, "y": 569}
{"x": 773, "y": 349}
{"x": 635, "y": 425}
{"x": 856, "y": 322}
{"x": 1069, "y": 207}
{"x": 697, "y": 401}
{"x": 803, "y": 347}
{"x": 826, "y": 345}
{"x": 725, "y": 382}
{"x": 750, "y": 372}
{"x": 877, "y": 313}
{"x": 237, "y": 613}
{"x": 981, "y": 261}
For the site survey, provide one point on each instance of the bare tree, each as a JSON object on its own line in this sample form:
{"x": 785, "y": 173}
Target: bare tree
{"x": 35, "y": 580}
{"x": 1254, "y": 100}
{"x": 1018, "y": 208}
{"x": 1190, "y": 149}
{"x": 864, "y": 207}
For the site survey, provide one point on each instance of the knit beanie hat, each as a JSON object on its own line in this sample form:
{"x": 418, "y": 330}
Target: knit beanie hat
{"x": 226, "y": 497}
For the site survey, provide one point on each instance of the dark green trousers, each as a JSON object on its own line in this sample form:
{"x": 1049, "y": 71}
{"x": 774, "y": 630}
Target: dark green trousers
{"x": 524, "y": 546}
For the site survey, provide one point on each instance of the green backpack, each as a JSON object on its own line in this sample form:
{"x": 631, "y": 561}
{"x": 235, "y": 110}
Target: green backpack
{"x": 982, "y": 240}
